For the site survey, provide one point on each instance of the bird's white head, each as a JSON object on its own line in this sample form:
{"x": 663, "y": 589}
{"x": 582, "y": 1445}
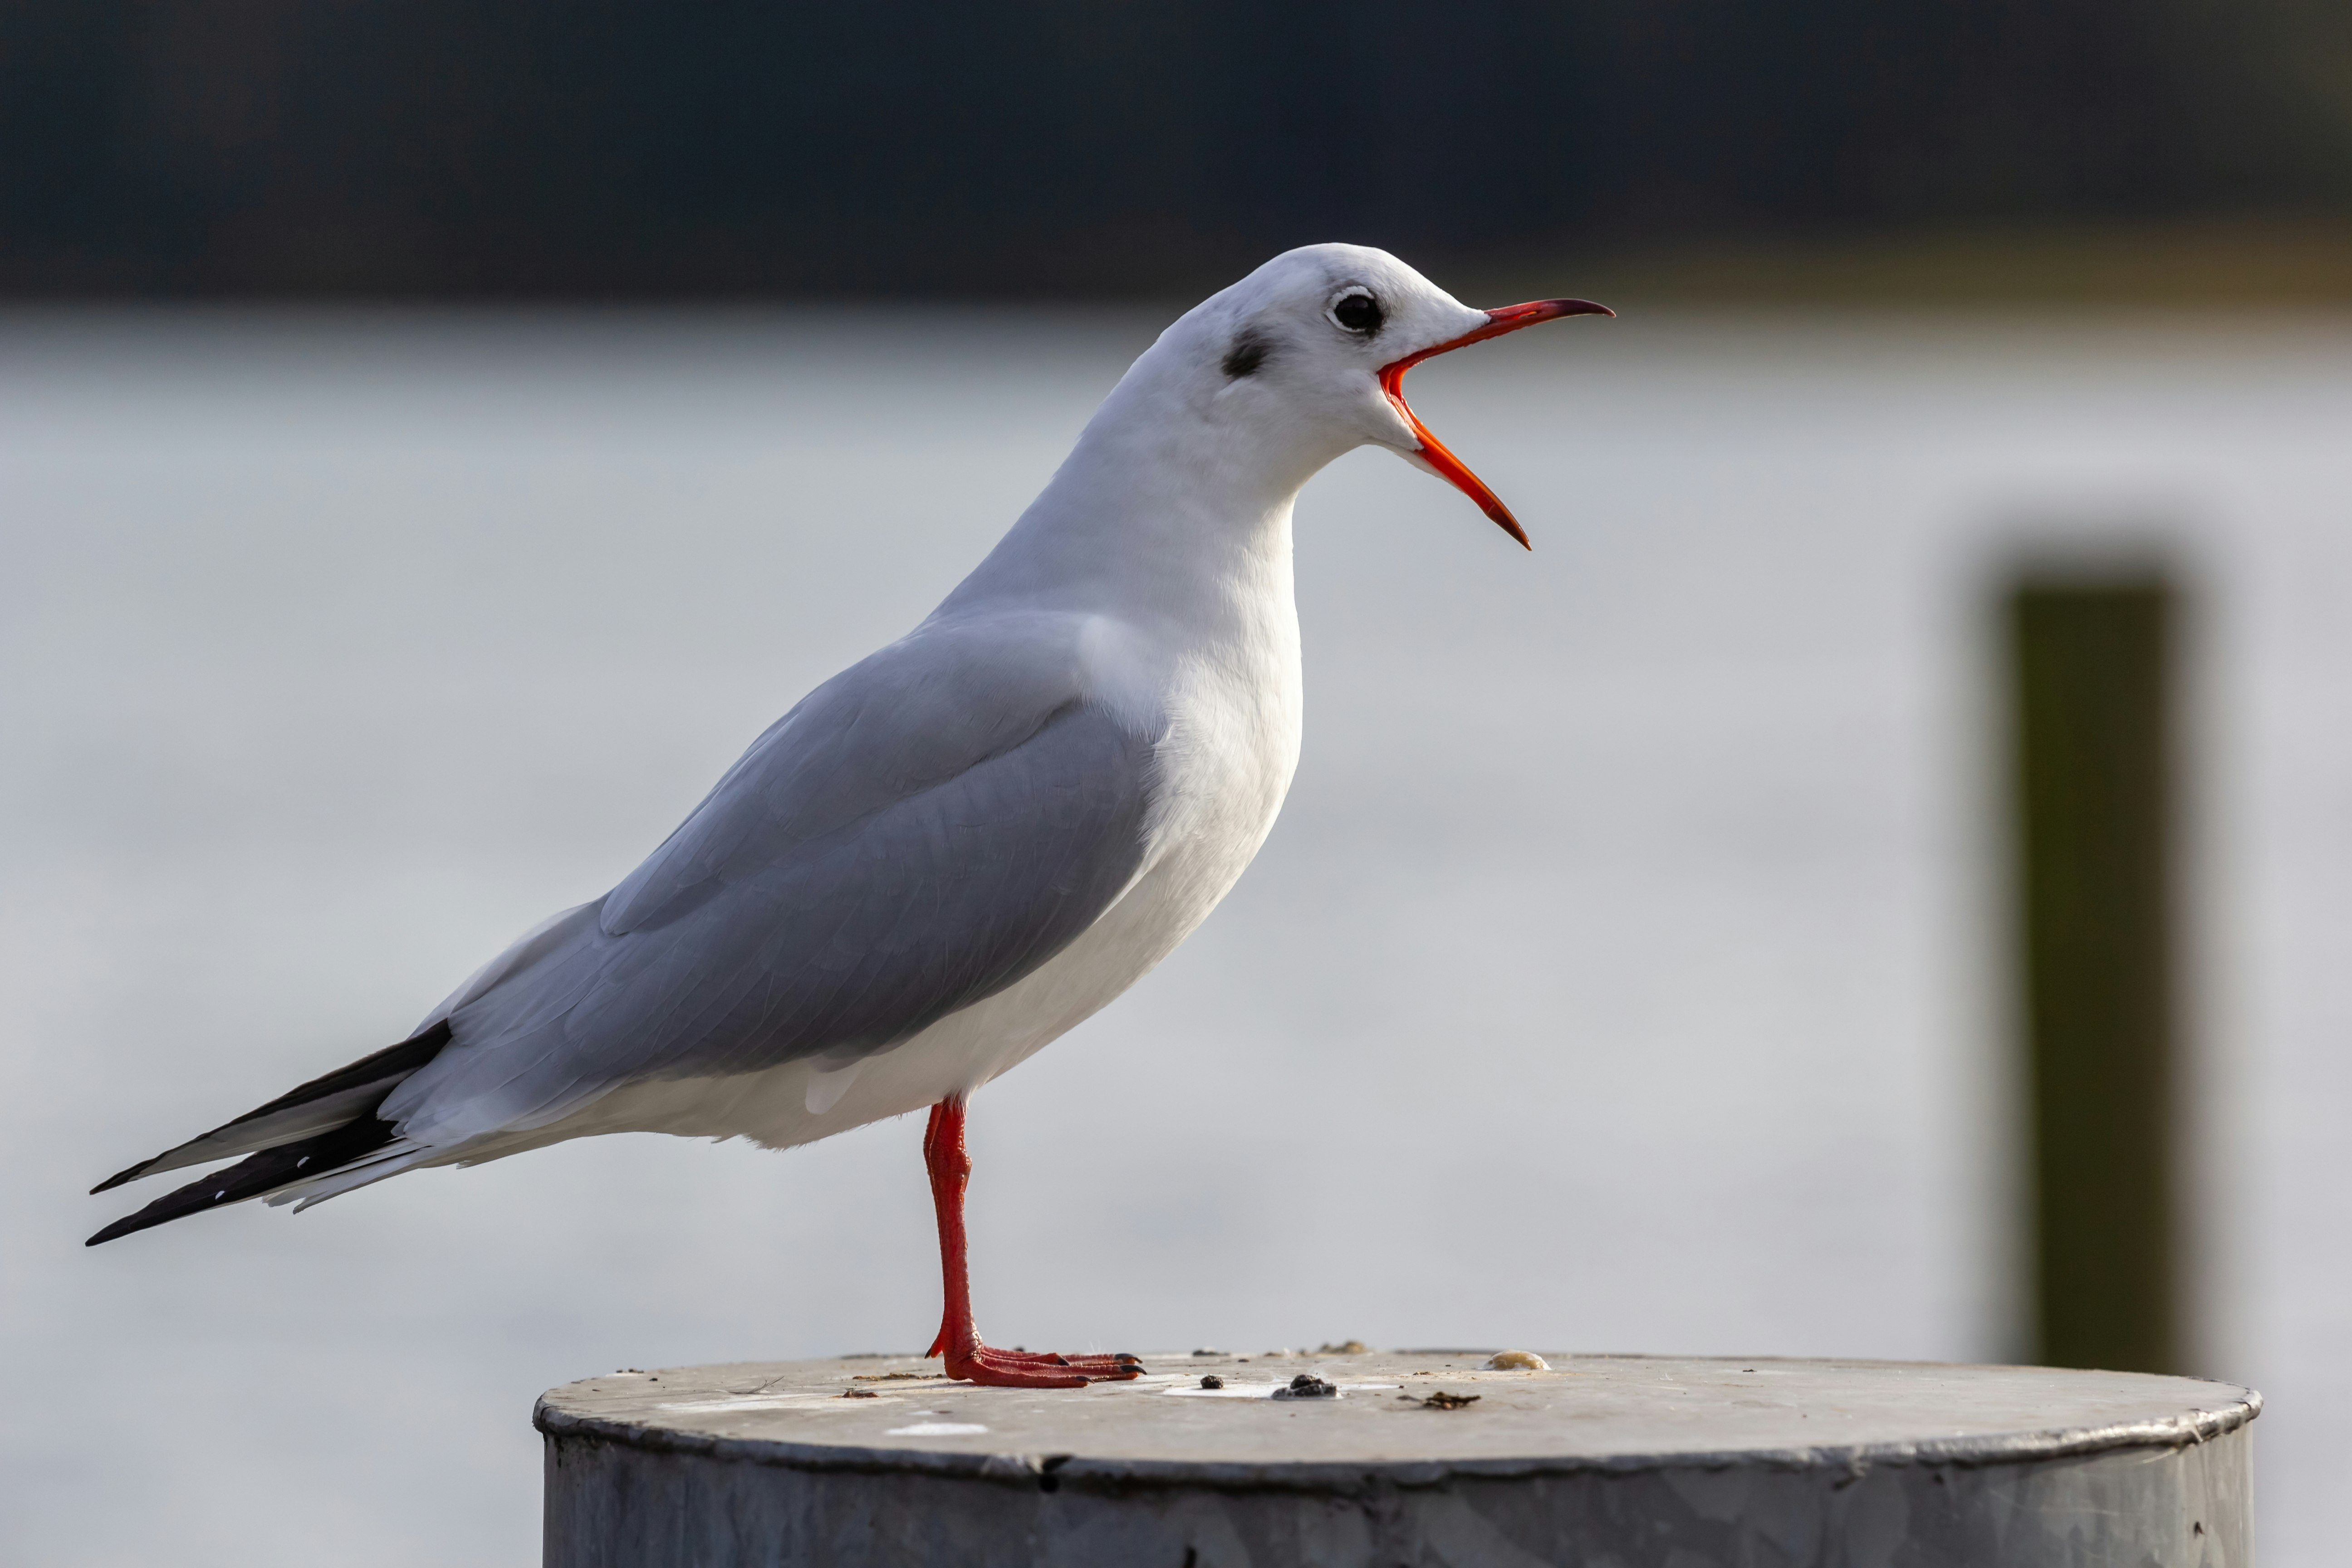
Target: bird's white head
{"x": 1309, "y": 353}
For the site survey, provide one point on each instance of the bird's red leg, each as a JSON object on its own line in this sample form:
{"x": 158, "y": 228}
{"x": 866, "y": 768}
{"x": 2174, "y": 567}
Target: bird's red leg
{"x": 950, "y": 1168}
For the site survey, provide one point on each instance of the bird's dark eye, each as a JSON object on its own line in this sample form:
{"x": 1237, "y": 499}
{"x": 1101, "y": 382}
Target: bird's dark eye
{"x": 1359, "y": 312}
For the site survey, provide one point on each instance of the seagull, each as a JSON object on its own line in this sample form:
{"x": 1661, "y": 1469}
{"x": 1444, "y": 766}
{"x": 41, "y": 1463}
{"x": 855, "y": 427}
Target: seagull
{"x": 959, "y": 848}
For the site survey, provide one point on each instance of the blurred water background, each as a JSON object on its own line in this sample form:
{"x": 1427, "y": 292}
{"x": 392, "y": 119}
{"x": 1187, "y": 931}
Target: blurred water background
{"x": 1625, "y": 972}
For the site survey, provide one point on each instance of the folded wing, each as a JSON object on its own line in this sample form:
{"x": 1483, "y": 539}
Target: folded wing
{"x": 924, "y": 831}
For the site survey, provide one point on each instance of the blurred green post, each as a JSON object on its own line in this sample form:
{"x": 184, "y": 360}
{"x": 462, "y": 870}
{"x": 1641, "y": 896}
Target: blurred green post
{"x": 2091, "y": 712}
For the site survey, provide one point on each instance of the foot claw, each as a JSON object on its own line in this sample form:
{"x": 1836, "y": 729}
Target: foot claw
{"x": 1031, "y": 1369}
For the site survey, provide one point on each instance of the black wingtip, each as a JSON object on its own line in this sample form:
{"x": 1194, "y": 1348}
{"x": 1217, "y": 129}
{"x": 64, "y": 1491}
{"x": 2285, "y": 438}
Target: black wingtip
{"x": 256, "y": 1175}
{"x": 119, "y": 1177}
{"x": 221, "y": 1187}
{"x": 386, "y": 1067}
{"x": 142, "y": 1220}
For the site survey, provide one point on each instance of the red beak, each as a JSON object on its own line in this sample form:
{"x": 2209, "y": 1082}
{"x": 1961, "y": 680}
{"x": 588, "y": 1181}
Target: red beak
{"x": 1509, "y": 319}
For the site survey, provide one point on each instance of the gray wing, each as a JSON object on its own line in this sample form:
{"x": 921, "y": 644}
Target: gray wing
{"x": 922, "y": 832}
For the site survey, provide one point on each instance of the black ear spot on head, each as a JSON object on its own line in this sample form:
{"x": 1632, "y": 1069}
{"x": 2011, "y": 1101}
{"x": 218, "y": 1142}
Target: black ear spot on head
{"x": 1247, "y": 353}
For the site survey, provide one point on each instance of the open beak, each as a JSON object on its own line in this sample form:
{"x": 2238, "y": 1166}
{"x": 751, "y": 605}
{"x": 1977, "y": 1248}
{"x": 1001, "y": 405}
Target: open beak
{"x": 1433, "y": 453}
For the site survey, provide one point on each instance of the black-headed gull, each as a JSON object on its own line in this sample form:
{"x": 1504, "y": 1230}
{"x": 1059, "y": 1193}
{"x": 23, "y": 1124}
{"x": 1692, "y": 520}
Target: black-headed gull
{"x": 957, "y": 850}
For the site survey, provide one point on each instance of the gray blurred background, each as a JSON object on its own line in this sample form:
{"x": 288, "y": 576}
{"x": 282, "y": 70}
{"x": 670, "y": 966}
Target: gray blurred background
{"x": 434, "y": 439}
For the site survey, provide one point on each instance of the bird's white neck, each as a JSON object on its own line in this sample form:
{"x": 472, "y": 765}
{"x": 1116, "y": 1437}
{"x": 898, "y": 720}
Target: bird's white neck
{"x": 1175, "y": 507}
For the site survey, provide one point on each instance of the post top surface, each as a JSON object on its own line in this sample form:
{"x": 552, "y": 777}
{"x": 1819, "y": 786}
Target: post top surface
{"x": 1584, "y": 1412}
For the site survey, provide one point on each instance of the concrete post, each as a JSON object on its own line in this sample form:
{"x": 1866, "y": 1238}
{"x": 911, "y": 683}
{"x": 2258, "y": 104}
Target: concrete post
{"x": 1421, "y": 1458}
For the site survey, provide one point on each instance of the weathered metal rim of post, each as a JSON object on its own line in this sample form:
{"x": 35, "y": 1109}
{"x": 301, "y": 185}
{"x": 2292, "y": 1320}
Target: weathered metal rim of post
{"x": 1351, "y": 1477}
